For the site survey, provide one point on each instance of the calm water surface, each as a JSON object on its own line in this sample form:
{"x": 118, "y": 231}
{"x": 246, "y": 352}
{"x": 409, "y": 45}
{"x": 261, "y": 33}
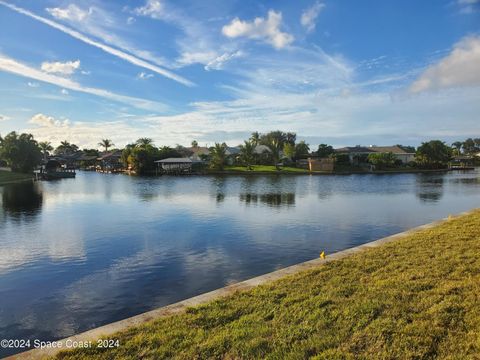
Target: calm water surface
{"x": 79, "y": 253}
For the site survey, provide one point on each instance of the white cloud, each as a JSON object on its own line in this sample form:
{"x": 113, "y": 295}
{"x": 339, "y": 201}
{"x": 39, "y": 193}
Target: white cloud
{"x": 197, "y": 45}
{"x": 468, "y": 6}
{"x": 200, "y": 57}
{"x": 112, "y": 51}
{"x": 66, "y": 68}
{"x": 130, "y": 20}
{"x": 4, "y": 117}
{"x": 152, "y": 8}
{"x": 219, "y": 62}
{"x": 33, "y": 84}
{"x": 64, "y": 92}
{"x": 144, "y": 76}
{"x": 309, "y": 16}
{"x": 15, "y": 67}
{"x": 48, "y": 121}
{"x": 71, "y": 12}
{"x": 260, "y": 28}
{"x": 460, "y": 68}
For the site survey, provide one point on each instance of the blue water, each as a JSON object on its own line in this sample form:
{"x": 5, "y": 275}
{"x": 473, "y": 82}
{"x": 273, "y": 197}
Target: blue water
{"x": 79, "y": 253}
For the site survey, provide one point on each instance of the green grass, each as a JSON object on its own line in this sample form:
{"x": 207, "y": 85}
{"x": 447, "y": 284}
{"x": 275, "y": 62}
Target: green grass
{"x": 415, "y": 298}
{"x": 265, "y": 168}
{"x": 7, "y": 177}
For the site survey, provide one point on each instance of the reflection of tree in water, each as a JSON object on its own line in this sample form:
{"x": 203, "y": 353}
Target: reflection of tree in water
{"x": 22, "y": 199}
{"x": 429, "y": 188}
{"x": 270, "y": 199}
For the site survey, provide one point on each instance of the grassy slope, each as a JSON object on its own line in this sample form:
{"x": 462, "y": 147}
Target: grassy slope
{"x": 417, "y": 298}
{"x": 7, "y": 177}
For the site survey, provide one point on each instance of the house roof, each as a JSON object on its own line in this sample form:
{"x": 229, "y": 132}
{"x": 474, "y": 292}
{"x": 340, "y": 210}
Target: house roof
{"x": 232, "y": 150}
{"x": 199, "y": 150}
{"x": 260, "y": 149}
{"x": 105, "y": 156}
{"x": 385, "y": 149}
{"x": 372, "y": 149}
{"x": 175, "y": 161}
{"x": 354, "y": 149}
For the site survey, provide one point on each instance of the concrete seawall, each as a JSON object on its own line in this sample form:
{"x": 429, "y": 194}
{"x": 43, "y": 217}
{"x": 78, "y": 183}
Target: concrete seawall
{"x": 110, "y": 329}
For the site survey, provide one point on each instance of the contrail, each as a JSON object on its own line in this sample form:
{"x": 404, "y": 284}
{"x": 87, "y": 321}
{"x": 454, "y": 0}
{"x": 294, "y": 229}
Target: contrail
{"x": 127, "y": 57}
{"x": 12, "y": 66}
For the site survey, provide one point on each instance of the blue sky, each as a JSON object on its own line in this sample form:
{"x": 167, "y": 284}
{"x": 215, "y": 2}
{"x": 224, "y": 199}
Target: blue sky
{"x": 339, "y": 72}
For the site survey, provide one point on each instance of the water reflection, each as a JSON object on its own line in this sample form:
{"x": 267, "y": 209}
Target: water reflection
{"x": 22, "y": 199}
{"x": 429, "y": 188}
{"x": 270, "y": 199}
{"x": 110, "y": 246}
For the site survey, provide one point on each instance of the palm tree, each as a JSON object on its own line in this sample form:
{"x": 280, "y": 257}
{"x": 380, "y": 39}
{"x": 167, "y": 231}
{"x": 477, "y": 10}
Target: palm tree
{"x": 301, "y": 149}
{"x": 144, "y": 142}
{"x": 46, "y": 147}
{"x": 255, "y": 138}
{"x": 194, "y": 144}
{"x": 219, "y": 155}
{"x": 275, "y": 147}
{"x": 66, "y": 148}
{"x": 106, "y": 143}
{"x": 247, "y": 154}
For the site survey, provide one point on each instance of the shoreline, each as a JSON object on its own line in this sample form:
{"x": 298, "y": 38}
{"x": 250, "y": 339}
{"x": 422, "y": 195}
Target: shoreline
{"x": 182, "y": 306}
{"x": 382, "y": 172}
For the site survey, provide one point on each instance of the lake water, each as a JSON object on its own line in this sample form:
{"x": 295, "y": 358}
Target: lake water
{"x": 79, "y": 253}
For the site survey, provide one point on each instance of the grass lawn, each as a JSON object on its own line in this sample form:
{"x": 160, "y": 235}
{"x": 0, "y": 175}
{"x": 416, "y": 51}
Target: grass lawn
{"x": 265, "y": 168}
{"x": 7, "y": 177}
{"x": 415, "y": 298}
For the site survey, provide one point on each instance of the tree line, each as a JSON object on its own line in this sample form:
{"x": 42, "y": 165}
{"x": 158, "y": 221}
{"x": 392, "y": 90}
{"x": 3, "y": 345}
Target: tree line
{"x": 23, "y": 153}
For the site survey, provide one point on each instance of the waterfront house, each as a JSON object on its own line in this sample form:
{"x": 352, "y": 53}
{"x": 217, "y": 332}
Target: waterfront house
{"x": 199, "y": 153}
{"x": 359, "y": 154}
{"x": 111, "y": 161}
{"x": 176, "y": 165}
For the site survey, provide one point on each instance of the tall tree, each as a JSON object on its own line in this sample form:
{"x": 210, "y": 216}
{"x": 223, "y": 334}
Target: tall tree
{"x": 144, "y": 142}
{"x": 106, "y": 143}
{"x": 289, "y": 150}
{"x": 457, "y": 145}
{"x": 469, "y": 146}
{"x": 194, "y": 144}
{"x": 255, "y": 138}
{"x": 433, "y": 154}
{"x": 275, "y": 145}
{"x": 21, "y": 152}
{"x": 45, "y": 147}
{"x": 302, "y": 149}
{"x": 65, "y": 148}
{"x": 324, "y": 150}
{"x": 247, "y": 154}
{"x": 218, "y": 155}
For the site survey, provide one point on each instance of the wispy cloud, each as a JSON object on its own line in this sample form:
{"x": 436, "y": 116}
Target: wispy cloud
{"x": 144, "y": 76}
{"x": 267, "y": 30}
{"x": 219, "y": 62}
{"x": 101, "y": 24}
{"x": 10, "y": 65}
{"x": 33, "y": 84}
{"x": 309, "y": 16}
{"x": 197, "y": 45}
{"x": 4, "y": 117}
{"x": 71, "y": 12}
{"x": 468, "y": 6}
{"x": 460, "y": 68}
{"x": 115, "y": 52}
{"x": 65, "y": 68}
